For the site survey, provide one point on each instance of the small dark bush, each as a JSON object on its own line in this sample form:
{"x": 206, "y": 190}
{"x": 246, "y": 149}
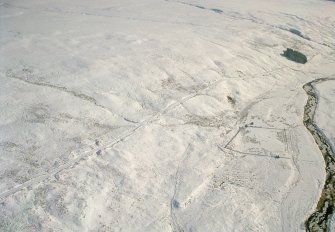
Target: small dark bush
{"x": 295, "y": 56}
{"x": 231, "y": 100}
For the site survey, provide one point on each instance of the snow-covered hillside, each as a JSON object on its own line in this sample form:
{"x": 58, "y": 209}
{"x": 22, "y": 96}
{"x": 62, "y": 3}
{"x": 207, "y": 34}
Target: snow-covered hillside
{"x": 162, "y": 115}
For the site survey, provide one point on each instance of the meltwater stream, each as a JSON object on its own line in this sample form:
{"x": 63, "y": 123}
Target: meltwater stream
{"x": 319, "y": 220}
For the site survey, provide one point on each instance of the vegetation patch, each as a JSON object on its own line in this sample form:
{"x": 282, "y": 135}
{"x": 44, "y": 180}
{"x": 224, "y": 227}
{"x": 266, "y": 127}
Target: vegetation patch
{"x": 298, "y": 33}
{"x": 295, "y": 56}
{"x": 217, "y": 10}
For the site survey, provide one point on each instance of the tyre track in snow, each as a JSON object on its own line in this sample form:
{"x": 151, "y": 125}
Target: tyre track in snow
{"x": 122, "y": 137}
{"x": 174, "y": 204}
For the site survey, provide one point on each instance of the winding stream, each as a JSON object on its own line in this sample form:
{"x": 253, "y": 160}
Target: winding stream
{"x": 318, "y": 221}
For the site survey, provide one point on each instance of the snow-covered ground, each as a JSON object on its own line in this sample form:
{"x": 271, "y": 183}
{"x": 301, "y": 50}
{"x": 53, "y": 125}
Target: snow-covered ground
{"x": 325, "y": 115}
{"x": 160, "y": 115}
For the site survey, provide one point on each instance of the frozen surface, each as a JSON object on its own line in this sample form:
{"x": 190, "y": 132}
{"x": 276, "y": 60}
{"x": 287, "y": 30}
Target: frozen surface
{"x": 325, "y": 115}
{"x": 161, "y": 115}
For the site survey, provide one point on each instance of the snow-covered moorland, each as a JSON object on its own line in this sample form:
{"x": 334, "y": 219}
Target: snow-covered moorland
{"x": 162, "y": 115}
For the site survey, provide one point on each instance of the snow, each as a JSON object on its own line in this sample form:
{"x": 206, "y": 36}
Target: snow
{"x": 325, "y": 115}
{"x": 150, "y": 80}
